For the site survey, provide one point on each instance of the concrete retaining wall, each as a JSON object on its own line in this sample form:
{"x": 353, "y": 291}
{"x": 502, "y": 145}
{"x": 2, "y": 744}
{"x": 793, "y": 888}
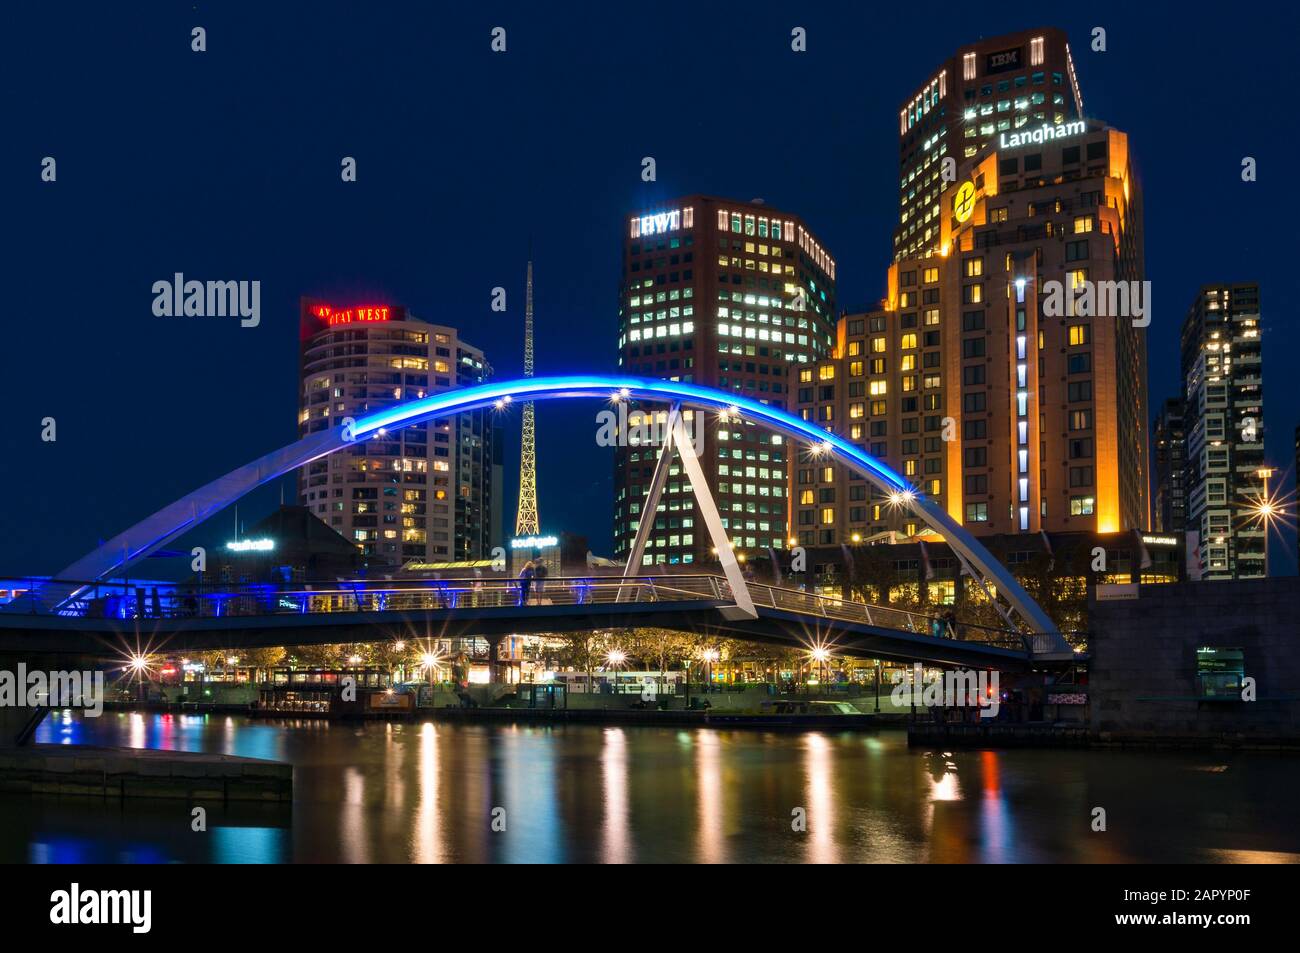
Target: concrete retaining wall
{"x": 132, "y": 772}
{"x": 1142, "y": 677}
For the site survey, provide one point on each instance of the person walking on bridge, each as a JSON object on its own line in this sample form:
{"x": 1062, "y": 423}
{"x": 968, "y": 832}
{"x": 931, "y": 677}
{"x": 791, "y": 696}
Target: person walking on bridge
{"x": 525, "y": 582}
{"x": 540, "y": 572}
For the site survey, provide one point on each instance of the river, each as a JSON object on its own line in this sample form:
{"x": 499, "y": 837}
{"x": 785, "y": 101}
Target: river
{"x": 433, "y": 792}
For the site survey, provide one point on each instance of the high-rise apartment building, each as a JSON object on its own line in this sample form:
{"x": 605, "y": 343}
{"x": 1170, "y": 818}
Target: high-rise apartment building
{"x": 730, "y": 295}
{"x": 1169, "y": 440}
{"x": 428, "y": 492}
{"x": 986, "y": 89}
{"x": 1224, "y": 421}
{"x": 1005, "y": 374}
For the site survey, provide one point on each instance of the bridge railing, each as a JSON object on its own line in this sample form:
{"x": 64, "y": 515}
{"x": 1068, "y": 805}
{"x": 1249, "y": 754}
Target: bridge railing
{"x": 202, "y": 601}
{"x": 890, "y": 617}
{"x": 100, "y": 600}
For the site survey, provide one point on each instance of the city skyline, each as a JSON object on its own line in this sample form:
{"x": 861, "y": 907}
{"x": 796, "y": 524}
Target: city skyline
{"x": 334, "y": 262}
{"x": 699, "y": 434}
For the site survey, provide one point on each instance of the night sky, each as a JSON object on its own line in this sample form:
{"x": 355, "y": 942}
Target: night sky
{"x": 224, "y": 165}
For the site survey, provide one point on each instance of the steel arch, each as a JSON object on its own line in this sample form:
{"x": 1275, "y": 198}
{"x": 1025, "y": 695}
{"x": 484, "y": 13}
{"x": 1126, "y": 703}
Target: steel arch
{"x": 157, "y": 530}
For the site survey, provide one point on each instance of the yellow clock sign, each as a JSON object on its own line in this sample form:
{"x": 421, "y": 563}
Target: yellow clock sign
{"x": 964, "y": 204}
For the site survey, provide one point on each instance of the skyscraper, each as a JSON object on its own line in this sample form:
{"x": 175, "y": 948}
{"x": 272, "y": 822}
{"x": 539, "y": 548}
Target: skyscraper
{"x": 994, "y": 86}
{"x": 1005, "y": 373}
{"x": 428, "y": 492}
{"x": 1169, "y": 508}
{"x": 730, "y": 295}
{"x": 1224, "y": 421}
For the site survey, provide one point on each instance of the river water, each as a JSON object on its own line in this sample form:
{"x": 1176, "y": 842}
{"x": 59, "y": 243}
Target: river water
{"x": 431, "y": 792}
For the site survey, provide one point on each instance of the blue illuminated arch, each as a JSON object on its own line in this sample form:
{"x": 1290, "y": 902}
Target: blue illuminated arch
{"x": 171, "y": 521}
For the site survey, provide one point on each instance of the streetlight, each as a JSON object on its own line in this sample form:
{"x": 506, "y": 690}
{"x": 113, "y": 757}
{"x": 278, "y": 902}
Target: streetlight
{"x": 709, "y": 656}
{"x": 614, "y": 659}
{"x": 1265, "y": 509}
{"x": 429, "y": 660}
{"x": 819, "y": 655}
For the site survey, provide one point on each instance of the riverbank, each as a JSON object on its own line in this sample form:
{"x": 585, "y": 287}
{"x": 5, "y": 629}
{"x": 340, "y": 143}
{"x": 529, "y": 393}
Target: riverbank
{"x": 111, "y": 772}
{"x": 1000, "y": 735}
{"x": 920, "y": 734}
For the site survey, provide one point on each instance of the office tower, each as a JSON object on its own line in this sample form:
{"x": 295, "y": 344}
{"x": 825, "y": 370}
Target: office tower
{"x": 428, "y": 492}
{"x": 1005, "y": 375}
{"x": 1224, "y": 422}
{"x": 994, "y": 86}
{"x": 1170, "y": 444}
{"x": 730, "y": 295}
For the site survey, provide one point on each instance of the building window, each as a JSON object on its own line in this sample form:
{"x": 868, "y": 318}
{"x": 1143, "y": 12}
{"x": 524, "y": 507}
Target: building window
{"x": 1219, "y": 672}
{"x": 968, "y": 66}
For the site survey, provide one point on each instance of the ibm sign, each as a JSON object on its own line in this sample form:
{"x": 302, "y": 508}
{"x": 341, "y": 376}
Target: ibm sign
{"x": 1004, "y": 60}
{"x": 662, "y": 222}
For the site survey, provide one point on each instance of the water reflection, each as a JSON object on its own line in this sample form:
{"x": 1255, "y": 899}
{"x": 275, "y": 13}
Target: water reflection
{"x": 430, "y": 793}
{"x": 709, "y": 814}
{"x": 822, "y": 822}
{"x": 617, "y": 847}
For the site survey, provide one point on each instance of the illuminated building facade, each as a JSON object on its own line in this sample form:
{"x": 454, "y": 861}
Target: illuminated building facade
{"x": 1004, "y": 375}
{"x": 1224, "y": 419}
{"x": 986, "y": 90}
{"x": 1169, "y": 440}
{"x": 730, "y": 295}
{"x": 429, "y": 492}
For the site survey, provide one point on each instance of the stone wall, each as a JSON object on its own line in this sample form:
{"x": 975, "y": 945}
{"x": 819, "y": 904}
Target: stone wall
{"x": 139, "y": 772}
{"x": 1142, "y": 676}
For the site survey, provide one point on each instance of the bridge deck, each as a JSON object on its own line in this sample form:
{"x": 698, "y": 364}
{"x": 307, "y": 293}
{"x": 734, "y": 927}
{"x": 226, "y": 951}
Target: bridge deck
{"x": 188, "y": 617}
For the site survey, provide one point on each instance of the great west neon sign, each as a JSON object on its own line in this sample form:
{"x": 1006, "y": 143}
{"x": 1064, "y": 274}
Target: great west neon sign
{"x": 661, "y": 222}
{"x": 1044, "y": 133}
{"x": 364, "y": 315}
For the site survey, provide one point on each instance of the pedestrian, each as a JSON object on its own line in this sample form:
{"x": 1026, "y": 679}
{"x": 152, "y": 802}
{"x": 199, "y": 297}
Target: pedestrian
{"x": 950, "y": 624}
{"x": 540, "y": 572}
{"x": 525, "y": 582}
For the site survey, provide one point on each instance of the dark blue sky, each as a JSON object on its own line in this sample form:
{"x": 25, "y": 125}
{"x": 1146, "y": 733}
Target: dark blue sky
{"x": 225, "y": 165}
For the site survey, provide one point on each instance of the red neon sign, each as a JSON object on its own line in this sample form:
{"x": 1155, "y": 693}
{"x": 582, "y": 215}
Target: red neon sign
{"x": 362, "y": 315}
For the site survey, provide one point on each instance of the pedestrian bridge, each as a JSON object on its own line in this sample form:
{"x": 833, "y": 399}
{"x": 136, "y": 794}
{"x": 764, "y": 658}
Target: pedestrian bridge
{"x": 110, "y": 620}
{"x": 725, "y": 602}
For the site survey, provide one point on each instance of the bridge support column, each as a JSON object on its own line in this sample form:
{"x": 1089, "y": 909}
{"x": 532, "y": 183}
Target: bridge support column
{"x": 18, "y": 723}
{"x": 676, "y": 437}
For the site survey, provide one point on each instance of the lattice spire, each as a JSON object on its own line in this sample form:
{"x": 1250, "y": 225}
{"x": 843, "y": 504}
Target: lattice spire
{"x": 526, "y": 523}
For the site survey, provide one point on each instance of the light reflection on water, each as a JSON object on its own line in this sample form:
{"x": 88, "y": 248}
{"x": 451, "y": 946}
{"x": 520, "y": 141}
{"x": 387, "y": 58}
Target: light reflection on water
{"x": 430, "y": 792}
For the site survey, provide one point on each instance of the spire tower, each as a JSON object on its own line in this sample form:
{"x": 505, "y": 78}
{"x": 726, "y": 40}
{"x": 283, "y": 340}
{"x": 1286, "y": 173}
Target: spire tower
{"x": 526, "y": 523}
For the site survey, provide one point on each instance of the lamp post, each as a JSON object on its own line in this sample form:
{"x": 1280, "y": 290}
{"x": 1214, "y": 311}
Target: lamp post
{"x": 710, "y": 656}
{"x": 430, "y": 661}
{"x": 614, "y": 659}
{"x": 820, "y": 654}
{"x": 1265, "y": 510}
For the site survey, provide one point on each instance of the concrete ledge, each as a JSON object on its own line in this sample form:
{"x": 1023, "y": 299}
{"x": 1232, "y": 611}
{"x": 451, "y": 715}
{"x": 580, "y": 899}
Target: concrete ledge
{"x": 133, "y": 772}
